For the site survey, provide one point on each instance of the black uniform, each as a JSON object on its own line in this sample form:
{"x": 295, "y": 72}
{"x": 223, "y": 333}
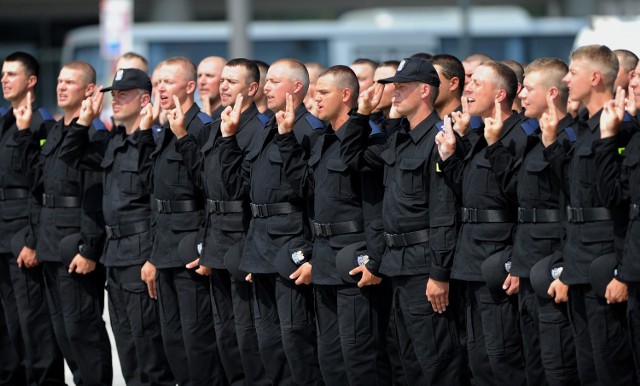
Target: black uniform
{"x": 549, "y": 357}
{"x": 228, "y": 217}
{"x": 619, "y": 184}
{"x": 126, "y": 206}
{"x": 285, "y": 321}
{"x": 594, "y": 228}
{"x": 21, "y": 289}
{"x": 420, "y": 238}
{"x": 351, "y": 325}
{"x": 488, "y": 223}
{"x": 71, "y": 202}
{"x": 186, "y": 315}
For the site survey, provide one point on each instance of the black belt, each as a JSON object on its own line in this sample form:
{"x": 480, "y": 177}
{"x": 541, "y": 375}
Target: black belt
{"x": 51, "y": 201}
{"x": 634, "y": 212}
{"x": 478, "y": 215}
{"x": 406, "y": 239}
{"x": 268, "y": 210}
{"x": 13, "y": 194}
{"x": 123, "y": 230}
{"x": 538, "y": 215}
{"x": 580, "y": 215}
{"x": 222, "y": 207}
{"x": 338, "y": 228}
{"x": 165, "y": 206}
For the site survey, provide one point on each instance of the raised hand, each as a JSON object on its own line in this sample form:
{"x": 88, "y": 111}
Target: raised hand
{"x": 150, "y": 113}
{"x": 630, "y": 103}
{"x": 91, "y": 108}
{"x": 612, "y": 115}
{"x": 369, "y": 99}
{"x": 286, "y": 118}
{"x": 462, "y": 119}
{"x": 230, "y": 118}
{"x": 24, "y": 113}
{"x": 549, "y": 123}
{"x": 493, "y": 126}
{"x": 206, "y": 104}
{"x": 176, "y": 119}
{"x": 446, "y": 140}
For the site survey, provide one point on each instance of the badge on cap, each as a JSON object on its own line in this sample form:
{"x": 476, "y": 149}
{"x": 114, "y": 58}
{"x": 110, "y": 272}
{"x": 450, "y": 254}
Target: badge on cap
{"x": 363, "y": 259}
{"x": 199, "y": 248}
{"x": 507, "y": 266}
{"x": 556, "y": 272}
{"x": 297, "y": 257}
{"x": 401, "y": 65}
{"x": 119, "y": 75}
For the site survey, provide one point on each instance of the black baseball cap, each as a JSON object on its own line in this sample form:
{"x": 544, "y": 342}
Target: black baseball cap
{"x": 350, "y": 257}
{"x": 129, "y": 79}
{"x": 292, "y": 255}
{"x": 541, "y": 274}
{"x": 602, "y": 270}
{"x": 69, "y": 247}
{"x": 414, "y": 70}
{"x": 494, "y": 270}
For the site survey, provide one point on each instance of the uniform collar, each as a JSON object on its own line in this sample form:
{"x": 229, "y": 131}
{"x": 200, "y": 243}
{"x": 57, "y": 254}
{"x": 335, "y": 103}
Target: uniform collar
{"x": 594, "y": 121}
{"x": 423, "y": 127}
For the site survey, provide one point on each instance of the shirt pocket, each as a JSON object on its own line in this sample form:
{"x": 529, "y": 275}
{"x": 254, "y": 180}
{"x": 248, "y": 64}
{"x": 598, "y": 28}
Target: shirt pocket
{"x": 130, "y": 182}
{"x": 411, "y": 176}
{"x": 587, "y": 169}
{"x": 538, "y": 179}
{"x": 338, "y": 175}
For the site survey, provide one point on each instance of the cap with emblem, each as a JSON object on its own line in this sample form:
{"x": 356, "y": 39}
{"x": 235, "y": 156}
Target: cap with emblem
{"x": 291, "y": 255}
{"x": 190, "y": 247}
{"x": 414, "y": 70}
{"x": 602, "y": 270}
{"x": 350, "y": 257}
{"x": 69, "y": 247}
{"x": 495, "y": 269}
{"x": 128, "y": 79}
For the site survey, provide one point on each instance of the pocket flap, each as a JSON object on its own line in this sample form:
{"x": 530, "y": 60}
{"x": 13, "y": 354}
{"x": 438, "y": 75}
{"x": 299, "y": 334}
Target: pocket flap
{"x": 536, "y": 166}
{"x": 584, "y": 151}
{"x": 407, "y": 163}
{"x": 483, "y": 163}
{"x": 135, "y": 288}
{"x": 129, "y": 165}
{"x": 441, "y": 220}
{"x": 336, "y": 165}
{"x": 275, "y": 156}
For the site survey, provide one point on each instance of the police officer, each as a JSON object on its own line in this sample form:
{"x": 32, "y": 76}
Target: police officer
{"x": 209, "y": 70}
{"x": 419, "y": 222}
{"x": 628, "y": 62}
{"x": 488, "y": 216}
{"x": 22, "y": 127}
{"x": 451, "y": 73}
{"x": 186, "y": 317}
{"x": 285, "y": 321}
{"x": 123, "y": 160}
{"x": 71, "y": 202}
{"x": 343, "y": 311}
{"x": 227, "y": 221}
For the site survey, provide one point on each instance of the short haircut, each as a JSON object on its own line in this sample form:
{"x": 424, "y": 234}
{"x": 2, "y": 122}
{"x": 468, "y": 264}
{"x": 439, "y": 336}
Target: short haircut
{"x": 133, "y": 55}
{"x": 505, "y": 79}
{"x": 626, "y": 59}
{"x": 262, "y": 65}
{"x": 29, "y": 63}
{"x": 602, "y": 57}
{"x": 371, "y": 63}
{"x": 422, "y": 55}
{"x": 390, "y": 63}
{"x": 554, "y": 70}
{"x": 344, "y": 78}
{"x": 186, "y": 63}
{"x": 253, "y": 73}
{"x": 451, "y": 67}
{"x": 478, "y": 56}
{"x": 516, "y": 67}
{"x": 297, "y": 72}
{"x": 87, "y": 70}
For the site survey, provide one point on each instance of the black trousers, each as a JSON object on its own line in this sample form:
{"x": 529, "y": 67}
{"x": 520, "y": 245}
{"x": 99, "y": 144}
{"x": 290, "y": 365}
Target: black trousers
{"x": 633, "y": 318}
{"x": 136, "y": 327}
{"x": 351, "y": 325}
{"x": 13, "y": 364}
{"x": 600, "y": 335}
{"x": 235, "y": 330}
{"x": 428, "y": 341}
{"x": 494, "y": 342}
{"x": 186, "y": 321}
{"x": 285, "y": 324}
{"x": 76, "y": 303}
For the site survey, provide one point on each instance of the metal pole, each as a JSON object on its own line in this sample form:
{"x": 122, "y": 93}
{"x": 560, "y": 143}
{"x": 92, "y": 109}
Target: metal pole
{"x": 239, "y": 15}
{"x": 465, "y": 35}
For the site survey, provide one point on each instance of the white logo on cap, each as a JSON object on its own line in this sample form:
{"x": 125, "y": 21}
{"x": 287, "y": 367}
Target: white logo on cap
{"x": 199, "y": 248}
{"x": 119, "y": 75}
{"x": 297, "y": 257}
{"x": 363, "y": 259}
{"x": 401, "y": 65}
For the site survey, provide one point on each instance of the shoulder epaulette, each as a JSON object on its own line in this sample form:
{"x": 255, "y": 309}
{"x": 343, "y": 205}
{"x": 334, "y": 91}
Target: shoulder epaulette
{"x": 530, "y": 126}
{"x": 204, "y": 118}
{"x": 314, "y": 122}
{"x": 375, "y": 128}
{"x": 476, "y": 122}
{"x": 263, "y": 118}
{"x": 99, "y": 125}
{"x": 3, "y": 110}
{"x": 44, "y": 113}
{"x": 571, "y": 134}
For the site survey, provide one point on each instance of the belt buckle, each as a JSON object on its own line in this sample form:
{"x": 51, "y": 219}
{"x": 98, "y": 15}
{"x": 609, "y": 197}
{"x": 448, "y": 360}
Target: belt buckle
{"x": 575, "y": 215}
{"x": 47, "y": 200}
{"x": 164, "y": 206}
{"x": 214, "y": 206}
{"x": 470, "y": 215}
{"x": 388, "y": 238}
{"x": 113, "y": 232}
{"x": 326, "y": 229}
{"x": 259, "y": 210}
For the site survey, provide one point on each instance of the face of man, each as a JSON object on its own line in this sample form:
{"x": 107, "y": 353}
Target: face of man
{"x": 444, "y": 94}
{"x": 279, "y": 83}
{"x": 71, "y": 89}
{"x": 232, "y": 83}
{"x": 578, "y": 79}
{"x": 387, "y": 94}
{"x": 406, "y": 97}
{"x": 364, "y": 73}
{"x": 172, "y": 80}
{"x": 209, "y": 71}
{"x": 328, "y": 98}
{"x": 534, "y": 95}
{"x": 634, "y": 83}
{"x": 15, "y": 81}
{"x": 481, "y": 92}
{"x": 126, "y": 104}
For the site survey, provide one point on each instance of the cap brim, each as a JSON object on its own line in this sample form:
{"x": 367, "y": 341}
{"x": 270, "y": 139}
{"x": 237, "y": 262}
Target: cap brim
{"x": 106, "y": 89}
{"x": 346, "y": 260}
{"x": 397, "y": 79}
{"x": 540, "y": 276}
{"x": 601, "y": 273}
{"x": 188, "y": 248}
{"x": 494, "y": 273}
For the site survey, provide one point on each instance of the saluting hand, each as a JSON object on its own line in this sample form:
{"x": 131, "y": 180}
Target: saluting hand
{"x": 493, "y": 125}
{"x": 462, "y": 119}
{"x": 230, "y": 118}
{"x": 206, "y": 104}
{"x": 369, "y": 99}
{"x": 286, "y": 118}
{"x": 446, "y": 140}
{"x": 612, "y": 115}
{"x": 549, "y": 123}
{"x": 630, "y": 103}
{"x": 148, "y": 275}
{"x": 438, "y": 295}
{"x": 150, "y": 113}
{"x": 24, "y": 113}
{"x": 176, "y": 119}
{"x": 91, "y": 108}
